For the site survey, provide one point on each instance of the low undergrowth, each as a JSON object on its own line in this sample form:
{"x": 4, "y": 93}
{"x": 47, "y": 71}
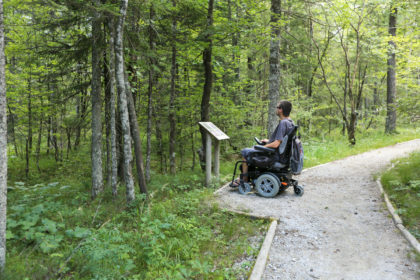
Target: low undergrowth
{"x": 402, "y": 184}
{"x": 54, "y": 230}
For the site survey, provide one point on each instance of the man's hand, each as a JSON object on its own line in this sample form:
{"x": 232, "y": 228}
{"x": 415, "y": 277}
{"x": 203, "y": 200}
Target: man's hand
{"x": 265, "y": 141}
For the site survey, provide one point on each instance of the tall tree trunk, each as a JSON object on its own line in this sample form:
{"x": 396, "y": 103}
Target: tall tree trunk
{"x": 107, "y": 85}
{"x": 208, "y": 75}
{"x": 274, "y": 77}
{"x": 3, "y": 147}
{"x": 121, "y": 87}
{"x": 97, "y": 180}
{"x": 152, "y": 63}
{"x": 311, "y": 79}
{"x": 114, "y": 159}
{"x": 235, "y": 54}
{"x": 172, "y": 110}
{"x": 391, "y": 91}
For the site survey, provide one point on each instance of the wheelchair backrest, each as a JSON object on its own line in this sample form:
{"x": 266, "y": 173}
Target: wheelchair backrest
{"x": 286, "y": 144}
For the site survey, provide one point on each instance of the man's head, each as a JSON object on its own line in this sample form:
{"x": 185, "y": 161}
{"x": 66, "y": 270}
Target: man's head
{"x": 284, "y": 108}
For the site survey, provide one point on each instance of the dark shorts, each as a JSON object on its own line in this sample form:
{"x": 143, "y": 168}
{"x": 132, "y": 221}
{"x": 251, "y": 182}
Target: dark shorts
{"x": 248, "y": 153}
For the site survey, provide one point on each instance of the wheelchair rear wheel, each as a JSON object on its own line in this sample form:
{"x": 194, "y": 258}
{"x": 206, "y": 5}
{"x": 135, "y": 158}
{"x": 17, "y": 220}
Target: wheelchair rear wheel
{"x": 267, "y": 185}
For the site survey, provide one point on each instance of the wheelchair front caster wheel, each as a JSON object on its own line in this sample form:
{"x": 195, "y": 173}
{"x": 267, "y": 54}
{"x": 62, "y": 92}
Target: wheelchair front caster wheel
{"x": 298, "y": 190}
{"x": 244, "y": 188}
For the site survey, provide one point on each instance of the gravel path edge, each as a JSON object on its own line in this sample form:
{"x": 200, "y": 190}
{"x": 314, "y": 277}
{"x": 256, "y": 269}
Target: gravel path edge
{"x": 260, "y": 263}
{"x": 259, "y": 266}
{"x": 397, "y": 220}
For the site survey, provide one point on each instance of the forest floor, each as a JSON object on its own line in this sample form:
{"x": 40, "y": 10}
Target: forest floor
{"x": 340, "y": 228}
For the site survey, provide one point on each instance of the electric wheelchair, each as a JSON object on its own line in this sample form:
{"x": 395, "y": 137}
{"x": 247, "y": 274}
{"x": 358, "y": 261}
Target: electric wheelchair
{"x": 266, "y": 174}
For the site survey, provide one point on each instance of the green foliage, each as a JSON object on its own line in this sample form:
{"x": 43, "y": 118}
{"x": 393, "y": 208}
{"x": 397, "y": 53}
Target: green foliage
{"x": 55, "y": 230}
{"x": 402, "y": 184}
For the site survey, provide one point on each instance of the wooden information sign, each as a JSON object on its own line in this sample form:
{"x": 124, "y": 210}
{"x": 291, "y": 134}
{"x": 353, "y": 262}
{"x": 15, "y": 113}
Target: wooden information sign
{"x": 219, "y": 135}
{"x": 214, "y": 130}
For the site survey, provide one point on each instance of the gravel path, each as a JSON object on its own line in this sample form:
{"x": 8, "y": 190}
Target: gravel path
{"x": 340, "y": 228}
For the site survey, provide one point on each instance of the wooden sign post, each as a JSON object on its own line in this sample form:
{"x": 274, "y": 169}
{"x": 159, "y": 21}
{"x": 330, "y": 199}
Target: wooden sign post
{"x": 219, "y": 135}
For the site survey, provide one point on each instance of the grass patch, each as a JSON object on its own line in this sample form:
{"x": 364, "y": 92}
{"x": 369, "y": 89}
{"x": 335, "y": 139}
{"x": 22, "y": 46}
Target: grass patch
{"x": 402, "y": 184}
{"x": 335, "y": 146}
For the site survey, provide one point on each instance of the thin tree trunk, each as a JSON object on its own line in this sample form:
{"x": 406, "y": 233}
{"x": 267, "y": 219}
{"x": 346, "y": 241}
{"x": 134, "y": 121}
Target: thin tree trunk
{"x": 351, "y": 129}
{"x": 3, "y": 147}
{"x": 208, "y": 76}
{"x": 375, "y": 99}
{"x": 172, "y": 110}
{"x": 78, "y": 111}
{"x": 343, "y": 131}
{"x": 68, "y": 134}
{"x": 135, "y": 132}
{"x": 12, "y": 122}
{"x": 391, "y": 90}
{"x": 114, "y": 159}
{"x": 27, "y": 158}
{"x": 48, "y": 135}
{"x": 193, "y": 151}
{"x": 121, "y": 87}
{"x": 30, "y": 113}
{"x": 158, "y": 131}
{"x": 96, "y": 155}
{"x": 274, "y": 77}
{"x": 38, "y": 145}
{"x": 54, "y": 139}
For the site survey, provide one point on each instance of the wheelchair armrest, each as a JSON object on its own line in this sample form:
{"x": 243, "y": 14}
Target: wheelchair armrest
{"x": 264, "y": 149}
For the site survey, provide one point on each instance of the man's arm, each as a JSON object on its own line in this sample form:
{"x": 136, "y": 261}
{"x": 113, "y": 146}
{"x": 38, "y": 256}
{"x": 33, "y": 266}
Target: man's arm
{"x": 275, "y": 144}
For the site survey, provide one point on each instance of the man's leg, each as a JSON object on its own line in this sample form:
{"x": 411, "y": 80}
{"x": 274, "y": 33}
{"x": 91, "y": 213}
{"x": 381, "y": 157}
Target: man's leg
{"x": 245, "y": 170}
{"x": 245, "y": 154}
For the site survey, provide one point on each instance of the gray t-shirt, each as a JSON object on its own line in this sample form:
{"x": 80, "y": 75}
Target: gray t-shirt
{"x": 283, "y": 128}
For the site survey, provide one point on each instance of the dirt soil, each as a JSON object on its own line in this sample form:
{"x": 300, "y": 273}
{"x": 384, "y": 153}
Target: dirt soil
{"x": 340, "y": 228}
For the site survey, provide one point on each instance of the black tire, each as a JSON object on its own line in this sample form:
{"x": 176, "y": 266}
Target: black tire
{"x": 299, "y": 190}
{"x": 244, "y": 188}
{"x": 267, "y": 185}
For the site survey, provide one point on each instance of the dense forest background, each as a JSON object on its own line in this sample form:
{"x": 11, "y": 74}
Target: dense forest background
{"x": 132, "y": 79}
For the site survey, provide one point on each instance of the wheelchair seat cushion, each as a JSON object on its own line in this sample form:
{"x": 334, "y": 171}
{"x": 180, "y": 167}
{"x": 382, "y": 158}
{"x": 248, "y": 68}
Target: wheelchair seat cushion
{"x": 265, "y": 149}
{"x": 259, "y": 158}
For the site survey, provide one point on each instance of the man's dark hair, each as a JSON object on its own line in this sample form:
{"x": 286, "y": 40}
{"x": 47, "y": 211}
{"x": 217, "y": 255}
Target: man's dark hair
{"x": 286, "y": 106}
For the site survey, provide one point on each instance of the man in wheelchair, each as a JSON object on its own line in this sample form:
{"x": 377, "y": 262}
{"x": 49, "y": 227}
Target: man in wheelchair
{"x": 266, "y": 165}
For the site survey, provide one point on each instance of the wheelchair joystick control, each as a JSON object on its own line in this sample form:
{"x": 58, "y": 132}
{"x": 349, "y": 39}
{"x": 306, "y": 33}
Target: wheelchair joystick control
{"x": 259, "y": 142}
